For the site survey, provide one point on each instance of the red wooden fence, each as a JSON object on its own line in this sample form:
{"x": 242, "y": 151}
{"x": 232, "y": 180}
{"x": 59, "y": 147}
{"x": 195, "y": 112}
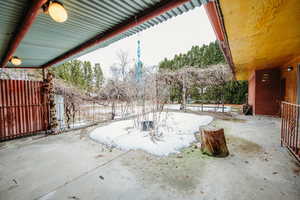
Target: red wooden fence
{"x": 290, "y": 136}
{"x": 23, "y": 110}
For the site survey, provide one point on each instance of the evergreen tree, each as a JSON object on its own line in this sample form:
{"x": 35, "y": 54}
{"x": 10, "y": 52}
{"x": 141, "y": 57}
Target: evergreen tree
{"x": 77, "y": 77}
{"x": 87, "y": 74}
{"x": 80, "y": 74}
{"x": 196, "y": 57}
{"x": 202, "y": 57}
{"x": 98, "y": 75}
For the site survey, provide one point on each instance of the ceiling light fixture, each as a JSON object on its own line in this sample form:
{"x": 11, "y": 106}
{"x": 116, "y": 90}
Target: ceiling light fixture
{"x": 290, "y": 68}
{"x": 15, "y": 60}
{"x": 56, "y": 10}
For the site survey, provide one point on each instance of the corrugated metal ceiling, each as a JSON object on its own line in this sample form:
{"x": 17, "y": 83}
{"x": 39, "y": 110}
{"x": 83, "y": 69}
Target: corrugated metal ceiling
{"x": 87, "y": 18}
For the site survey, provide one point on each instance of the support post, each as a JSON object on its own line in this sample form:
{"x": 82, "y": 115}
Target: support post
{"x": 50, "y": 101}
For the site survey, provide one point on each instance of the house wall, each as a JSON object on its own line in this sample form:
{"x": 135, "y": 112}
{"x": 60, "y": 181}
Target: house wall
{"x": 251, "y": 91}
{"x": 264, "y": 92}
{"x": 267, "y": 98}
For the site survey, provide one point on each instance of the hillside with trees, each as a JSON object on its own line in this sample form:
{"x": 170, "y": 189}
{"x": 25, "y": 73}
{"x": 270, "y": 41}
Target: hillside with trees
{"x": 199, "y": 57}
{"x": 204, "y": 57}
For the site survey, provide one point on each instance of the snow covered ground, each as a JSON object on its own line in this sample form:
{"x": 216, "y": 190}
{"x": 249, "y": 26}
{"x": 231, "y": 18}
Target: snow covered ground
{"x": 122, "y": 112}
{"x": 209, "y": 108}
{"x": 177, "y": 131}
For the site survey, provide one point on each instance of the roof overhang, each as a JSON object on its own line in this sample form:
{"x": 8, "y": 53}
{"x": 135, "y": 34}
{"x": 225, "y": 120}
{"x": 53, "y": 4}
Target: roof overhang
{"x": 214, "y": 14}
{"x": 40, "y": 42}
{"x": 261, "y": 34}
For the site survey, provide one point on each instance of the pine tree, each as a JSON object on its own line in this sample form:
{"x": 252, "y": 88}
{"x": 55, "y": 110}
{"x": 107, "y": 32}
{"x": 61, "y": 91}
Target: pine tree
{"x": 98, "y": 75}
{"x": 80, "y": 74}
{"x": 197, "y": 56}
{"x": 87, "y": 74}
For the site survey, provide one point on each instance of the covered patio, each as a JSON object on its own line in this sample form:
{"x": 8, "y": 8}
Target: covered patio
{"x": 41, "y": 34}
{"x": 71, "y": 166}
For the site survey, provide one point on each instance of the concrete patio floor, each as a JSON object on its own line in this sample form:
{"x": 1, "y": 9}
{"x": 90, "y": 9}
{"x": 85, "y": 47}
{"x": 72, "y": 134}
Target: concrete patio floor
{"x": 72, "y": 166}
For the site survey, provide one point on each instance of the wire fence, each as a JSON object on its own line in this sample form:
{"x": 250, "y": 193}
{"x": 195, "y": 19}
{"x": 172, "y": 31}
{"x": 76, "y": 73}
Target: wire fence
{"x": 70, "y": 116}
{"x": 74, "y": 115}
{"x": 201, "y": 107}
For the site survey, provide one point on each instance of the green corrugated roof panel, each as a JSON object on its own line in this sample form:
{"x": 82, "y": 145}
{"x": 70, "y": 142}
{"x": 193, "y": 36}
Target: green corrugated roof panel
{"x": 10, "y": 15}
{"x": 87, "y": 18}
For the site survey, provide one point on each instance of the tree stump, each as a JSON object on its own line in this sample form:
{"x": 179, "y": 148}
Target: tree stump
{"x": 213, "y": 143}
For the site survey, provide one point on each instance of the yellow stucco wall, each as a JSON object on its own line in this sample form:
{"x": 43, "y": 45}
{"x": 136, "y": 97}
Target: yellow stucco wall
{"x": 262, "y": 34}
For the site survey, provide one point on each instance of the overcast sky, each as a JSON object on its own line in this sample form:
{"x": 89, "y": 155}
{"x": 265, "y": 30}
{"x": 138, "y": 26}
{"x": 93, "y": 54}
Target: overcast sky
{"x": 177, "y": 35}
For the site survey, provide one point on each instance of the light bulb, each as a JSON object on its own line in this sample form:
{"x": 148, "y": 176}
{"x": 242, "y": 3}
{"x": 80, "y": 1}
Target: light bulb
{"x": 57, "y": 11}
{"x": 16, "y": 61}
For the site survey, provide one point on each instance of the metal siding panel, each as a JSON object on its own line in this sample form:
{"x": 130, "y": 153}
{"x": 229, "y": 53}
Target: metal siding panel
{"x": 30, "y": 97}
{"x": 30, "y": 102}
{"x": 14, "y": 113}
{"x": 23, "y": 107}
{"x": 17, "y": 113}
{"x": 6, "y": 108}
{"x": 40, "y": 106}
{"x": 26, "y": 107}
{"x": 9, "y": 113}
{"x": 33, "y": 89}
{"x": 20, "y": 106}
{"x": 37, "y": 107}
{"x": 27, "y": 110}
{"x": 2, "y": 128}
{"x": 9, "y": 116}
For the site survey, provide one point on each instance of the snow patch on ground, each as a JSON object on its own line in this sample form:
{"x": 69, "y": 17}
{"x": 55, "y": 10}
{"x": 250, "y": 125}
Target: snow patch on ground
{"x": 177, "y": 132}
{"x": 206, "y": 108}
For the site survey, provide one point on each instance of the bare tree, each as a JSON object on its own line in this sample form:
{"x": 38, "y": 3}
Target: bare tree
{"x": 114, "y": 93}
{"x": 123, "y": 62}
{"x": 189, "y": 77}
{"x": 146, "y": 99}
{"x": 4, "y": 74}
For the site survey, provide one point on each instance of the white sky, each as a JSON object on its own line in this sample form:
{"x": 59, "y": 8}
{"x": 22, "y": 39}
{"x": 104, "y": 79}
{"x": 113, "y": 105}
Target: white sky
{"x": 177, "y": 35}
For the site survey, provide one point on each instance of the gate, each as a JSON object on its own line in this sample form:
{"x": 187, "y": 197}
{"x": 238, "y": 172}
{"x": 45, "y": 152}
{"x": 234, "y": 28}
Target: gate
{"x": 23, "y": 108}
{"x": 290, "y": 136}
